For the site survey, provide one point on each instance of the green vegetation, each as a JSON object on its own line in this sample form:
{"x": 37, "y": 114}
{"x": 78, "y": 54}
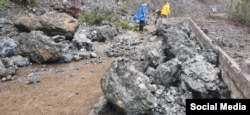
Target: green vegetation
{"x": 124, "y": 6}
{"x": 96, "y": 17}
{"x": 4, "y": 3}
{"x": 239, "y": 11}
{"x": 100, "y": 15}
{"x": 209, "y": 1}
{"x": 123, "y": 24}
{"x": 33, "y": 3}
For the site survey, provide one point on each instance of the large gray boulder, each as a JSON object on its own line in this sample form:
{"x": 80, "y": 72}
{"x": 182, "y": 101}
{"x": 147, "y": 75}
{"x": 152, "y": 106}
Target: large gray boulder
{"x": 201, "y": 78}
{"x": 127, "y": 88}
{"x": 7, "y": 47}
{"x": 177, "y": 43}
{"x": 51, "y": 23}
{"x": 103, "y": 33}
{"x": 153, "y": 58}
{"x": 38, "y": 47}
{"x": 168, "y": 73}
{"x": 153, "y": 54}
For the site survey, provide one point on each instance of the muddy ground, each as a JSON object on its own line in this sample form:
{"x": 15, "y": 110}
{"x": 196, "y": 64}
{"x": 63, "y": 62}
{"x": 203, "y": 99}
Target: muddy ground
{"x": 231, "y": 36}
{"x": 64, "y": 89}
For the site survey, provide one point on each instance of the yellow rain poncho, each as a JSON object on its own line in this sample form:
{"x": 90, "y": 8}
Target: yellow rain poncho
{"x": 165, "y": 9}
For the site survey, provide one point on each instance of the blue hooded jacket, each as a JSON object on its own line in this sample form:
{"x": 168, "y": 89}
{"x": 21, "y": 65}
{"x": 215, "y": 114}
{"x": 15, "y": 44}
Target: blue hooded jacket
{"x": 141, "y": 13}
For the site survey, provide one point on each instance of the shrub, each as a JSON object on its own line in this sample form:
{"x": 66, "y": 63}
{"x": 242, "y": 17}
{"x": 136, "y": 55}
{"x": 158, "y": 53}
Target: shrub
{"x": 96, "y": 16}
{"x": 123, "y": 24}
{"x": 4, "y": 3}
{"x": 124, "y": 6}
{"x": 239, "y": 11}
{"x": 33, "y": 3}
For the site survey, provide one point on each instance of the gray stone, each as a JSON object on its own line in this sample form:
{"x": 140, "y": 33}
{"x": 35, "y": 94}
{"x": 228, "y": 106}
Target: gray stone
{"x": 151, "y": 39}
{"x": 153, "y": 58}
{"x": 150, "y": 71}
{"x": 168, "y": 73}
{"x": 30, "y": 75}
{"x": 93, "y": 55}
{"x": 7, "y": 47}
{"x": 127, "y": 88}
{"x": 211, "y": 56}
{"x": 59, "y": 70}
{"x": 7, "y": 67}
{"x": 201, "y": 77}
{"x": 58, "y": 38}
{"x": 66, "y": 58}
{"x": 51, "y": 23}
{"x": 77, "y": 57}
{"x": 32, "y": 79}
{"x": 84, "y": 55}
{"x": 20, "y": 61}
{"x": 4, "y": 79}
{"x": 80, "y": 40}
{"x": 9, "y": 77}
{"x": 38, "y": 47}
{"x": 103, "y": 33}
{"x": 14, "y": 78}
{"x": 152, "y": 54}
{"x": 102, "y": 107}
{"x": 2, "y": 20}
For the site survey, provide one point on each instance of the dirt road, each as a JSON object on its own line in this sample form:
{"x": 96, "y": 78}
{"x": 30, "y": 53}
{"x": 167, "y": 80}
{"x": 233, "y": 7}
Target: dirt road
{"x": 72, "y": 92}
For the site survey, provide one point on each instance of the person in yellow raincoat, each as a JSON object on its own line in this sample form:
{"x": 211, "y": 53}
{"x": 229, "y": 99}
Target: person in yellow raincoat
{"x": 165, "y": 11}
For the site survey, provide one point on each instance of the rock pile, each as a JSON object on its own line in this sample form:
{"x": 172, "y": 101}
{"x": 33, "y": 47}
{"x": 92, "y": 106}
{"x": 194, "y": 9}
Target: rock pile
{"x": 123, "y": 47}
{"x": 51, "y": 37}
{"x": 177, "y": 70}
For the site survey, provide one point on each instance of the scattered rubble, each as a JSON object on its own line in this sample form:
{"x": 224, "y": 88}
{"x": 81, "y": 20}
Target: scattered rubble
{"x": 177, "y": 71}
{"x": 7, "y": 69}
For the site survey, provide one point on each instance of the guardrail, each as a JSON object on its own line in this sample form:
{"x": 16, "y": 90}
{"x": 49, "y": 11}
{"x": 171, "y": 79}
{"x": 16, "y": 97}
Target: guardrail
{"x": 237, "y": 81}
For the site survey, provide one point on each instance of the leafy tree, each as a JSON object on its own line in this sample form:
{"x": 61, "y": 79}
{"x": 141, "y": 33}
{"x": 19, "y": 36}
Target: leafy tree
{"x": 240, "y": 11}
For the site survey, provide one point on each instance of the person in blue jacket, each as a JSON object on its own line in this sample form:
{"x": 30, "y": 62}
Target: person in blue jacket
{"x": 141, "y": 15}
